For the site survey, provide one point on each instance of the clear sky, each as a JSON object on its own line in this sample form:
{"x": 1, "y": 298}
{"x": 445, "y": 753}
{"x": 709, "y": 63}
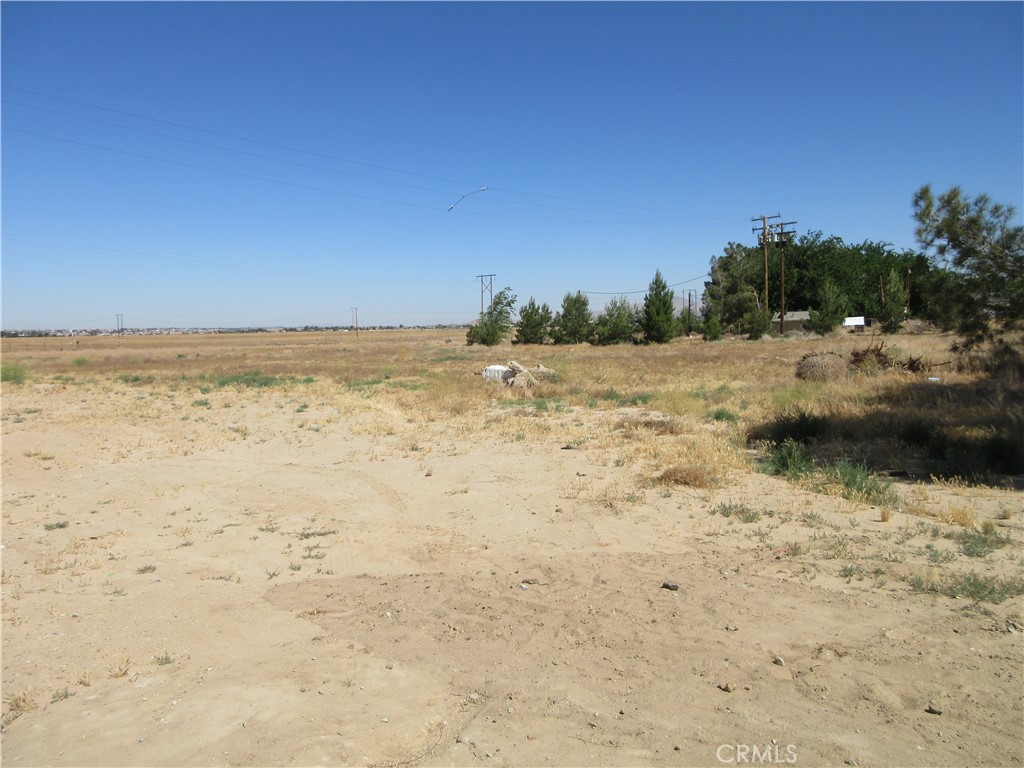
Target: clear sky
{"x": 249, "y": 163}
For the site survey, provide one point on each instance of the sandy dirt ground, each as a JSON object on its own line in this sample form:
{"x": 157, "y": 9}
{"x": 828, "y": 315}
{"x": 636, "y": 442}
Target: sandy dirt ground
{"x": 291, "y": 576}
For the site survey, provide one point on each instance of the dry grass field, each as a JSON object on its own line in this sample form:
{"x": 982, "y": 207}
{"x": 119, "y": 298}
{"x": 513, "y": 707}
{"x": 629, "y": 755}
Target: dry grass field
{"x": 324, "y": 549}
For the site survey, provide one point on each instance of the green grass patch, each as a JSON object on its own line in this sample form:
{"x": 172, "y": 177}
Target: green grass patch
{"x": 724, "y": 414}
{"x": 55, "y": 526}
{"x": 362, "y": 384}
{"x": 410, "y": 386}
{"x": 13, "y": 373}
{"x": 613, "y": 395}
{"x": 249, "y": 379}
{"x": 719, "y": 394}
{"x": 790, "y": 459}
{"x": 135, "y": 378}
{"x": 856, "y": 482}
{"x": 553, "y": 404}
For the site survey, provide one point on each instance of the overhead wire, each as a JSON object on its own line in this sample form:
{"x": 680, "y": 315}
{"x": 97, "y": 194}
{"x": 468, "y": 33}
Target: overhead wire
{"x": 631, "y": 293}
{"x": 636, "y": 209}
{"x": 228, "y": 149}
{"x": 220, "y": 170}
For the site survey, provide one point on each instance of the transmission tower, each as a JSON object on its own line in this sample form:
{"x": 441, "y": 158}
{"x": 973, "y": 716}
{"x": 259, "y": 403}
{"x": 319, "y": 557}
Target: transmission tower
{"x": 486, "y": 288}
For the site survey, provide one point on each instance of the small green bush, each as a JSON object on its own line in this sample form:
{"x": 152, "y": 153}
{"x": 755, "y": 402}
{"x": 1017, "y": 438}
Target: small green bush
{"x": 790, "y": 459}
{"x": 795, "y": 424}
{"x": 724, "y": 414}
{"x": 856, "y": 482}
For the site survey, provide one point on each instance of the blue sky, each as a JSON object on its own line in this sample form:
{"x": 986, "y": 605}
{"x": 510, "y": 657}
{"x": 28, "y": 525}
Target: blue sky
{"x": 229, "y": 164}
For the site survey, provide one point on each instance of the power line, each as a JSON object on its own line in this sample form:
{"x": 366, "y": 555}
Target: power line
{"x": 635, "y": 208}
{"x": 630, "y": 293}
{"x": 229, "y": 149}
{"x": 236, "y": 137}
{"x": 220, "y": 170}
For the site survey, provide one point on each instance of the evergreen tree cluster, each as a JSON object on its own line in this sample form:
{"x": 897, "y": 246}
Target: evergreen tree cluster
{"x": 968, "y": 277}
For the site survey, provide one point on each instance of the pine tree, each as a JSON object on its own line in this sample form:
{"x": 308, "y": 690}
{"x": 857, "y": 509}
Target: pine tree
{"x": 658, "y": 320}
{"x": 534, "y": 323}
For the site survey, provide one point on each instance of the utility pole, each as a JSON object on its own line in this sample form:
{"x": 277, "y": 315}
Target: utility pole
{"x": 486, "y": 287}
{"x": 355, "y": 320}
{"x": 783, "y": 237}
{"x": 763, "y": 239}
{"x": 776, "y": 232}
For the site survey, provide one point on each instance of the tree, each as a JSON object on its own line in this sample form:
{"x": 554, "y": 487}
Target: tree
{"x": 574, "y": 324}
{"x": 689, "y": 321}
{"x": 495, "y": 322}
{"x": 893, "y": 309}
{"x": 658, "y": 318}
{"x": 977, "y": 242}
{"x": 730, "y": 295}
{"x": 534, "y": 323}
{"x": 832, "y": 308}
{"x": 618, "y": 323}
{"x": 712, "y": 329}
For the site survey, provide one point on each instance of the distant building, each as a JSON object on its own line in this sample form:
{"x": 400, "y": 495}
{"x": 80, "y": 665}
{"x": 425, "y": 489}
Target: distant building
{"x": 794, "y": 321}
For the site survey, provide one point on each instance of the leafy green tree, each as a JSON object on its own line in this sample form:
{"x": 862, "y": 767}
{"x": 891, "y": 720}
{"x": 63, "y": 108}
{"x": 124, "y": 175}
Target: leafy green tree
{"x": 534, "y": 323}
{"x": 756, "y": 323}
{"x": 495, "y": 322}
{"x": 658, "y": 319}
{"x": 977, "y": 242}
{"x": 574, "y": 324}
{"x": 617, "y": 323}
{"x": 730, "y": 295}
{"x": 893, "y": 307}
{"x": 832, "y": 308}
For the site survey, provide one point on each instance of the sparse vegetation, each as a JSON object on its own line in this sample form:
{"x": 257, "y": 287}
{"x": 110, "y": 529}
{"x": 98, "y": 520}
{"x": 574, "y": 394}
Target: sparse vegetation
{"x": 13, "y": 373}
{"x": 660, "y": 446}
{"x": 974, "y": 586}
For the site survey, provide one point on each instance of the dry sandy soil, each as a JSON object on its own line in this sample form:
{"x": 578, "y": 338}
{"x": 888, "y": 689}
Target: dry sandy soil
{"x": 300, "y": 575}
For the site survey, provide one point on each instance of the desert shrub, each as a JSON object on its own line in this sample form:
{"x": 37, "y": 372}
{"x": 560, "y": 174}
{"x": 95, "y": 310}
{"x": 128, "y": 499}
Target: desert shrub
{"x": 979, "y": 543}
{"x": 989, "y": 589}
{"x": 855, "y": 481}
{"x": 790, "y": 459}
{"x": 690, "y": 475}
{"x": 917, "y": 431}
{"x": 795, "y": 424}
